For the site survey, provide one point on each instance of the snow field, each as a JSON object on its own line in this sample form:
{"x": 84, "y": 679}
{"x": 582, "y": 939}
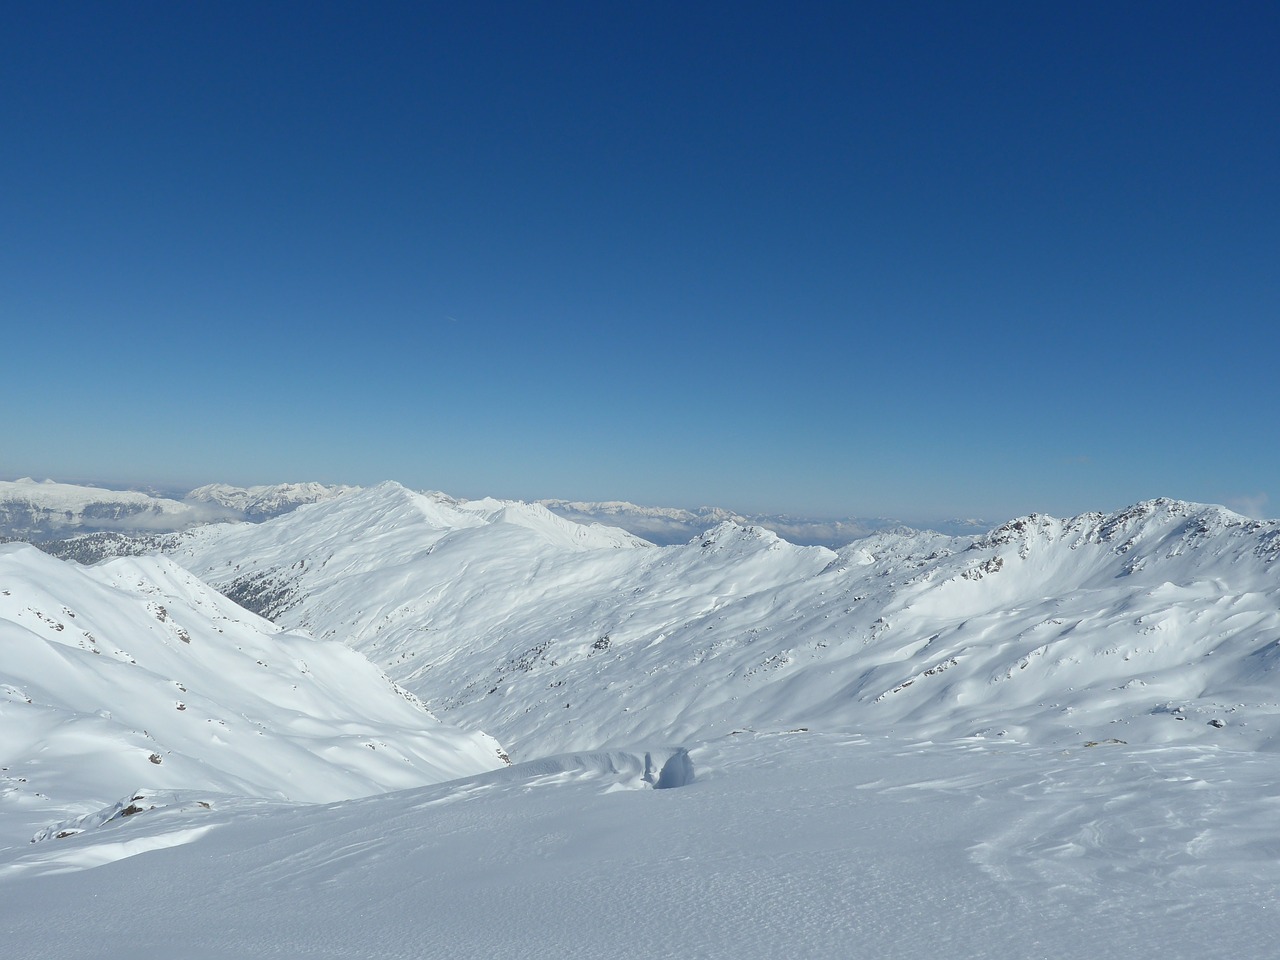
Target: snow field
{"x": 799, "y": 844}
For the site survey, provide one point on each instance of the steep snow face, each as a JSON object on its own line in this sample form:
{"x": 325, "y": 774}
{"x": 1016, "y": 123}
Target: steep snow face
{"x": 136, "y": 673}
{"x": 31, "y": 510}
{"x": 263, "y": 502}
{"x": 1157, "y": 623}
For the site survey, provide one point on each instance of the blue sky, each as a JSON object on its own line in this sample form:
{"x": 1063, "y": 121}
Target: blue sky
{"x": 832, "y": 259}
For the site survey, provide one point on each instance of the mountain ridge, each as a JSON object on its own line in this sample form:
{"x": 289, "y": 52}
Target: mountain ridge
{"x": 553, "y": 649}
{"x": 37, "y": 511}
{"x": 134, "y": 672}
{"x": 671, "y": 525}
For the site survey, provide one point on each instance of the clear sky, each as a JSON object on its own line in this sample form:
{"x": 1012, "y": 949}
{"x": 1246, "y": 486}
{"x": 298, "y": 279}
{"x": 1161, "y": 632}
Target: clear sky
{"x": 926, "y": 259}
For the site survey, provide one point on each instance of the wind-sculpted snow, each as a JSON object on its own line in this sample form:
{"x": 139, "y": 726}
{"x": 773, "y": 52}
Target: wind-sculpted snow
{"x": 785, "y": 845}
{"x": 135, "y": 673}
{"x": 1158, "y": 623}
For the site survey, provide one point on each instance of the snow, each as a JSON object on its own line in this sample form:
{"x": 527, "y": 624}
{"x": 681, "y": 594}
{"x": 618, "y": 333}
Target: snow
{"x": 562, "y": 532}
{"x": 785, "y": 844}
{"x": 31, "y": 509}
{"x": 1052, "y": 740}
{"x": 134, "y": 672}
{"x": 673, "y": 525}
{"x": 46, "y": 510}
{"x": 266, "y": 500}
{"x": 1158, "y": 623}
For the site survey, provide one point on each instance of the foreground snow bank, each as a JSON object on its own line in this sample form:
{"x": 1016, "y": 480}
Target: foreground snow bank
{"x": 793, "y": 844}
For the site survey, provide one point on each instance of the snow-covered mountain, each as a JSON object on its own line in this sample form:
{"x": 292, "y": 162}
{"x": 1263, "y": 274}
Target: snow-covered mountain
{"x": 46, "y": 510}
{"x": 673, "y": 525}
{"x": 43, "y": 510}
{"x": 1157, "y": 623}
{"x": 1051, "y": 739}
{"x": 263, "y": 502}
{"x": 660, "y": 525}
{"x": 135, "y": 674}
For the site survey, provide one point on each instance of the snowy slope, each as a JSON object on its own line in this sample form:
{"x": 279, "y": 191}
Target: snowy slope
{"x": 799, "y": 845}
{"x": 1048, "y": 741}
{"x": 662, "y": 525}
{"x": 571, "y": 534}
{"x": 1158, "y": 623}
{"x": 134, "y": 673}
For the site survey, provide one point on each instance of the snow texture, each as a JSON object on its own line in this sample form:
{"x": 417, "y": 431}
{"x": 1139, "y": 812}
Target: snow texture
{"x": 787, "y": 844}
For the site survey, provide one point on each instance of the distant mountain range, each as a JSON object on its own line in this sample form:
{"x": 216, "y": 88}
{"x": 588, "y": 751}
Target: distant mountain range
{"x": 555, "y": 636}
{"x": 670, "y": 525}
{"x": 263, "y": 502}
{"x": 1159, "y": 622}
{"x": 45, "y": 510}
